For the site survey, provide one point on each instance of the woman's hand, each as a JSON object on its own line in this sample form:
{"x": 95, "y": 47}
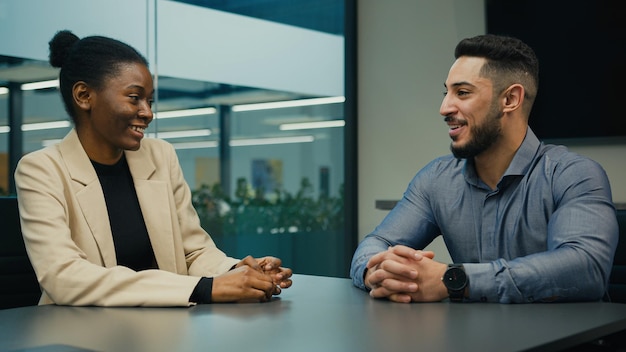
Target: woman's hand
{"x": 252, "y": 279}
{"x": 244, "y": 283}
{"x": 281, "y": 276}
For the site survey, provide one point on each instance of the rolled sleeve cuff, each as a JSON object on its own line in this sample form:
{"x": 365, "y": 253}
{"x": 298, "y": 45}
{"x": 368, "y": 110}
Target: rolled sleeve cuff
{"x": 358, "y": 275}
{"x": 482, "y": 283}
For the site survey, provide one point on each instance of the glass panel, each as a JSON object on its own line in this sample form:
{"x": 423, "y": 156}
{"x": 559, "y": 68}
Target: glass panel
{"x": 289, "y": 183}
{"x": 286, "y": 168}
{"x": 43, "y": 118}
{"x": 320, "y": 15}
{"x": 284, "y": 195}
{"x": 38, "y": 111}
{"x": 4, "y": 139}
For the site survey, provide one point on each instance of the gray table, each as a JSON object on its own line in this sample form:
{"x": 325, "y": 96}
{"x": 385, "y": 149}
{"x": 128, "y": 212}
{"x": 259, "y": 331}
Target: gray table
{"x": 316, "y": 314}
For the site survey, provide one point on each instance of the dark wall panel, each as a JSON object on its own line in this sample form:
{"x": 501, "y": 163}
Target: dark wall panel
{"x": 581, "y": 45}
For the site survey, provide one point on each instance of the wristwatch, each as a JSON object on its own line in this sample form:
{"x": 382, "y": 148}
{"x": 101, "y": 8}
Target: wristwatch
{"x": 455, "y": 281}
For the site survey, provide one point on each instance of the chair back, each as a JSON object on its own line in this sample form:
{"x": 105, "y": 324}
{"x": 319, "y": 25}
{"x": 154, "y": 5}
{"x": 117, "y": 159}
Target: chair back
{"x": 18, "y": 283}
{"x": 617, "y": 280}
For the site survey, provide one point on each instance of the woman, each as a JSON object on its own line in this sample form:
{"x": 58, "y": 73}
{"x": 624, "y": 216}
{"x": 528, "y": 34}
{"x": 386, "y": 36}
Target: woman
{"x": 106, "y": 215}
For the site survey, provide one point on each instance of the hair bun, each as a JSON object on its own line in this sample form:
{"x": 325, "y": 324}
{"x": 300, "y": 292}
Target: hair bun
{"x": 60, "y": 46}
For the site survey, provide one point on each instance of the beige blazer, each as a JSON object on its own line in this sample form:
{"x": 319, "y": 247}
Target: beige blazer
{"x": 68, "y": 236}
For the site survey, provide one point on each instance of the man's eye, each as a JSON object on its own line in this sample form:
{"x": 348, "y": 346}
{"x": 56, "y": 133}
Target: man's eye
{"x": 462, "y": 92}
{"x": 445, "y": 93}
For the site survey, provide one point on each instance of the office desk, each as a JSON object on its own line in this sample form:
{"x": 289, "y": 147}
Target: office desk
{"x": 316, "y": 314}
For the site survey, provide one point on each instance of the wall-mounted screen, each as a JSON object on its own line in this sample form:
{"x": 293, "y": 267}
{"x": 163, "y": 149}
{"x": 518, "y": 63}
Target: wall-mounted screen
{"x": 581, "y": 46}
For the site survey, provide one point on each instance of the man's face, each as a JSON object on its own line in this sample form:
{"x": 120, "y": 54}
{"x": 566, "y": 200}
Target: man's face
{"x": 470, "y": 109}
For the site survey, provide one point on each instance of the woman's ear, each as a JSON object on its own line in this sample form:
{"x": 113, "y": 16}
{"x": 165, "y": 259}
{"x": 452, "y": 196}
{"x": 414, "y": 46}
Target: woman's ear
{"x": 81, "y": 93}
{"x": 513, "y": 97}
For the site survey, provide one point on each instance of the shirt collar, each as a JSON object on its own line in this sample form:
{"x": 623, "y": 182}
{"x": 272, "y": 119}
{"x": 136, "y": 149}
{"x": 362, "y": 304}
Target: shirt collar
{"x": 524, "y": 156}
{"x": 519, "y": 165}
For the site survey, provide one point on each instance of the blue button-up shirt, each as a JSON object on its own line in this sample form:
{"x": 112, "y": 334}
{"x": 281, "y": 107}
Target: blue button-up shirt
{"x": 547, "y": 232}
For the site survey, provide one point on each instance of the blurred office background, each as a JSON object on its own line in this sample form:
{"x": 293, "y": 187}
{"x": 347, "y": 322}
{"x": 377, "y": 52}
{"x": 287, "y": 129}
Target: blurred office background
{"x": 354, "y": 87}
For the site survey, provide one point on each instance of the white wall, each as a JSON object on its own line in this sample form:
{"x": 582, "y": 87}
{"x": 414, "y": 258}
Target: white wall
{"x": 405, "y": 48}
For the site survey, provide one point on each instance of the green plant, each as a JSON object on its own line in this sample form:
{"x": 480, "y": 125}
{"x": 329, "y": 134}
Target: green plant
{"x": 252, "y": 211}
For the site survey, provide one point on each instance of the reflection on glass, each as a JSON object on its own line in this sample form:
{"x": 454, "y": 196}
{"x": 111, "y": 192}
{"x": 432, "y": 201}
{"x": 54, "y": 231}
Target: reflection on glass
{"x": 285, "y": 165}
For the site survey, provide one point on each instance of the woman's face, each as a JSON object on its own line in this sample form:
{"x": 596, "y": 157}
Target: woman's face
{"x": 119, "y": 114}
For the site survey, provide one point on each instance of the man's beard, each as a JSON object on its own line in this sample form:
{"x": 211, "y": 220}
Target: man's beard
{"x": 483, "y": 136}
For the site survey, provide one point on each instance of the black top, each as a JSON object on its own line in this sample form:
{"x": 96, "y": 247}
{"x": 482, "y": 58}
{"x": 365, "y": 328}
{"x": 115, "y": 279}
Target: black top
{"x": 130, "y": 236}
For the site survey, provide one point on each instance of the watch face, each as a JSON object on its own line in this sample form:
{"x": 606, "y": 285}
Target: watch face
{"x": 455, "y": 279}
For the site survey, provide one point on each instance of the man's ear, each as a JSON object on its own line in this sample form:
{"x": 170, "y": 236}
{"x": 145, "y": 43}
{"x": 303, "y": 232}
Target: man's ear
{"x": 81, "y": 93}
{"x": 513, "y": 98}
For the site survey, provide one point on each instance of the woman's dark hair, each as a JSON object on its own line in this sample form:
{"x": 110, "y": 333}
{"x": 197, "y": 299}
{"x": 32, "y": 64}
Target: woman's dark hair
{"x": 509, "y": 60}
{"x": 92, "y": 60}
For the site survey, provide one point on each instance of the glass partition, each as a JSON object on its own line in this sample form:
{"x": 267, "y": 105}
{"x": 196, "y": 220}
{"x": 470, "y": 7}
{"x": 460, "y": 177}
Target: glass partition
{"x": 253, "y": 107}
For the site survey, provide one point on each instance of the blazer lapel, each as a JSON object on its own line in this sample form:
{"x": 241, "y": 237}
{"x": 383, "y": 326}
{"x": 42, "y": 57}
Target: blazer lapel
{"x": 154, "y": 201}
{"x": 89, "y": 195}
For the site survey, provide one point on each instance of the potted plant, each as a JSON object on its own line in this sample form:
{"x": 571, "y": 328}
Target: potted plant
{"x": 295, "y": 227}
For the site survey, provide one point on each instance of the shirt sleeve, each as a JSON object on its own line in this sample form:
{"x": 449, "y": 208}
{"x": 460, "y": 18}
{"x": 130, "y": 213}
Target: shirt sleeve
{"x": 410, "y": 223}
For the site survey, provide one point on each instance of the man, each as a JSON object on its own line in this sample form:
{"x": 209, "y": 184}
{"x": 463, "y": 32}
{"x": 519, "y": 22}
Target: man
{"x": 523, "y": 221}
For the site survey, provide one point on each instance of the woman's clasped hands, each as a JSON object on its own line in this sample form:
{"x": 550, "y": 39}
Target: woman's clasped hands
{"x": 252, "y": 280}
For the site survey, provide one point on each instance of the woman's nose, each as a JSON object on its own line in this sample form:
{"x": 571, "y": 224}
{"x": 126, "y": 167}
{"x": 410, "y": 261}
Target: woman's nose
{"x": 146, "y": 112}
